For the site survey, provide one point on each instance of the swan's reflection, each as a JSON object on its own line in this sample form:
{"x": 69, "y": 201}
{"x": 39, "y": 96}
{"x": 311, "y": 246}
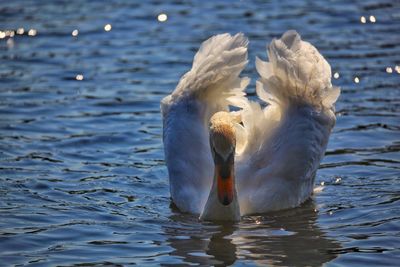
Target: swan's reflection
{"x": 221, "y": 247}
{"x": 286, "y": 238}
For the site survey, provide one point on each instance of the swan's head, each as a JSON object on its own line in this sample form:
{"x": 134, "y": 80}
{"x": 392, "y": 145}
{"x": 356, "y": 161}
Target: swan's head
{"x": 223, "y": 143}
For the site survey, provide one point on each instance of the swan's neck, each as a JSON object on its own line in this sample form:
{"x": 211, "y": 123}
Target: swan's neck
{"x": 214, "y": 210}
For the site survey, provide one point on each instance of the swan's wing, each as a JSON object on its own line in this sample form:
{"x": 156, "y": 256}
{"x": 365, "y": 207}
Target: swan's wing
{"x": 287, "y": 139}
{"x": 201, "y": 92}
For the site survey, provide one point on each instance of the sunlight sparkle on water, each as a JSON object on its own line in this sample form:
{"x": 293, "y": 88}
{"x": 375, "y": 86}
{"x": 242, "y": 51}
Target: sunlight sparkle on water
{"x": 162, "y": 17}
{"x": 32, "y": 32}
{"x": 318, "y": 189}
{"x": 10, "y": 42}
{"x": 10, "y": 33}
{"x": 336, "y": 75}
{"x": 93, "y": 144}
{"x": 107, "y": 27}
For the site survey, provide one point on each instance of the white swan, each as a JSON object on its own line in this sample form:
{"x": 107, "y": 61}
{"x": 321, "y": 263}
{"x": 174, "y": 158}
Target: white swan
{"x": 223, "y": 165}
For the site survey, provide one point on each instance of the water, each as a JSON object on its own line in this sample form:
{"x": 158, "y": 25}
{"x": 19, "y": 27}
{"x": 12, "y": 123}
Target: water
{"x": 82, "y": 176}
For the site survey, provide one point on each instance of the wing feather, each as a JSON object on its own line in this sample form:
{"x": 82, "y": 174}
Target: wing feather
{"x": 200, "y": 93}
{"x": 287, "y": 138}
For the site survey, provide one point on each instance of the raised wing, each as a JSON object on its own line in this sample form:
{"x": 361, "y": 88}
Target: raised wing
{"x": 201, "y": 92}
{"x": 287, "y": 139}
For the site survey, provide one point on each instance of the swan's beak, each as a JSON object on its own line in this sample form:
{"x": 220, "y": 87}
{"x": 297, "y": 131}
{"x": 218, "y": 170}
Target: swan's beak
{"x": 225, "y": 182}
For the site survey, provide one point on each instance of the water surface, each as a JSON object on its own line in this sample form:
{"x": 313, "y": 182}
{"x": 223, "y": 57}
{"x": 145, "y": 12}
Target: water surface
{"x": 82, "y": 173}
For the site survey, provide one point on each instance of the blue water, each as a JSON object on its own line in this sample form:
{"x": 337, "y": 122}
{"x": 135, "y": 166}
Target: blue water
{"x": 82, "y": 174}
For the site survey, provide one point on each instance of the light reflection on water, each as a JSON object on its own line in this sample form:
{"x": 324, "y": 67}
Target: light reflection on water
{"x": 82, "y": 176}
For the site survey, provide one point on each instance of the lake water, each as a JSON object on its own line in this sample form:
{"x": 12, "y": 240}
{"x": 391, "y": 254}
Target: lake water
{"x": 82, "y": 174}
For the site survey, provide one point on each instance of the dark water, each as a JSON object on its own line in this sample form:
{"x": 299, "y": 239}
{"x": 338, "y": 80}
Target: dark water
{"x": 82, "y": 176}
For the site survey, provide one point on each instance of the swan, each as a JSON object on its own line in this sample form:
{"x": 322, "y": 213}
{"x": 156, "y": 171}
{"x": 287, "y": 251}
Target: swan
{"x": 224, "y": 162}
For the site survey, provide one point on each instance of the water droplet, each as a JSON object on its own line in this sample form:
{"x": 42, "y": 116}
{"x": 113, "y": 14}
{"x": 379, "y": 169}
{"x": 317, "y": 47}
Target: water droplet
{"x": 107, "y": 27}
{"x": 162, "y": 17}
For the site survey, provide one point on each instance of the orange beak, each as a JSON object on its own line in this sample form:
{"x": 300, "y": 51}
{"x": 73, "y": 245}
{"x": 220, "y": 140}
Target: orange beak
{"x": 225, "y": 183}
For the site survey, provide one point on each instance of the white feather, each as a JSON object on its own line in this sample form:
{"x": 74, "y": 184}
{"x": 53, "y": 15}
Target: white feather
{"x": 287, "y": 141}
{"x": 296, "y": 72}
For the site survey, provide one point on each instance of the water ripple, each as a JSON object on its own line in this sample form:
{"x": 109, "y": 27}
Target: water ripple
{"x": 82, "y": 176}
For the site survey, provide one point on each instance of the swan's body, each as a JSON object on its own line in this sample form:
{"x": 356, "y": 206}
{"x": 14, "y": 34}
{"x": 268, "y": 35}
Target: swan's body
{"x": 278, "y": 148}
